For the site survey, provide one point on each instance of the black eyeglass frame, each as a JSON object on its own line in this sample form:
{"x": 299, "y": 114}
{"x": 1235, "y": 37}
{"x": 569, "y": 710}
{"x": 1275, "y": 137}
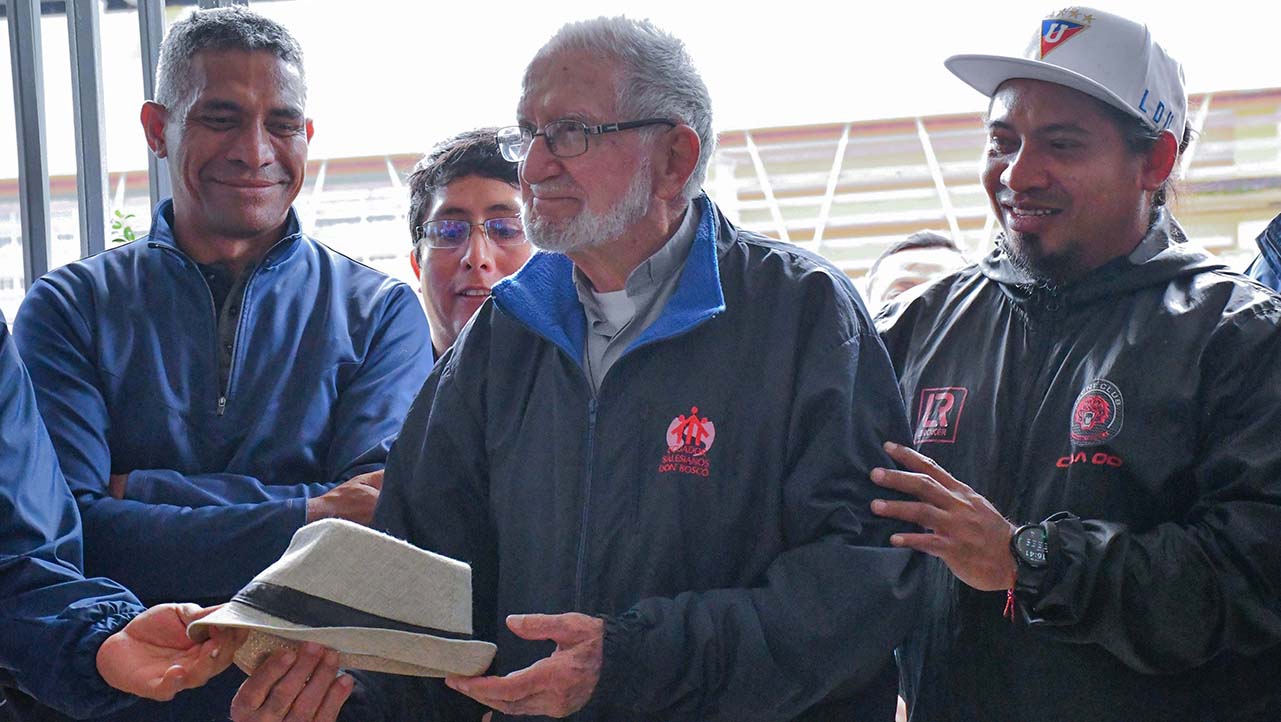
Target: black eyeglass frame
{"x": 527, "y": 136}
{"x": 420, "y": 232}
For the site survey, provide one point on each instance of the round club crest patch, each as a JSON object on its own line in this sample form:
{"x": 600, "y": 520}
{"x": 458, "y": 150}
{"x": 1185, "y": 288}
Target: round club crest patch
{"x": 1097, "y": 413}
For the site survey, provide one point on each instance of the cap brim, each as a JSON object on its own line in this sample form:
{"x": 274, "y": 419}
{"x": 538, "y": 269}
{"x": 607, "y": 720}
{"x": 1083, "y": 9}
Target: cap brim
{"x": 423, "y": 655}
{"x": 985, "y": 73}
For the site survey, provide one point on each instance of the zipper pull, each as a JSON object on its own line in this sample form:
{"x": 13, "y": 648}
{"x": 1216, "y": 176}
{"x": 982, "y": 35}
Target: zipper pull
{"x": 222, "y": 404}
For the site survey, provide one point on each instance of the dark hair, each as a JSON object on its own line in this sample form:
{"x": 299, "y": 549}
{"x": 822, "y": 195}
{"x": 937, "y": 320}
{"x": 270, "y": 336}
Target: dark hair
{"x": 474, "y": 152}
{"x": 916, "y": 241}
{"x": 226, "y": 28}
{"x": 1141, "y": 138}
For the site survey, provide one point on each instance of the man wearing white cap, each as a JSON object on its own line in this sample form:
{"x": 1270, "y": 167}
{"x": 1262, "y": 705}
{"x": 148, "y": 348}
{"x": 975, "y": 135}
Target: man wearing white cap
{"x": 1095, "y": 406}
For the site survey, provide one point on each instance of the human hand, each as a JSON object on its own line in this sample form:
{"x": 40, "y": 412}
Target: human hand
{"x": 353, "y": 499}
{"x": 968, "y": 533}
{"x": 116, "y": 485}
{"x": 556, "y": 686}
{"x": 302, "y": 686}
{"x": 153, "y": 657}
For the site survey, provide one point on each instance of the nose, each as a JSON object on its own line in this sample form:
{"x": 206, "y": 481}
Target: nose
{"x": 1024, "y": 171}
{"x": 480, "y": 252}
{"x": 252, "y": 145}
{"x": 539, "y": 163}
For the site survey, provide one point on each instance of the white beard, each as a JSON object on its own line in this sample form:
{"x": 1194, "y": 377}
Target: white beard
{"x": 588, "y": 229}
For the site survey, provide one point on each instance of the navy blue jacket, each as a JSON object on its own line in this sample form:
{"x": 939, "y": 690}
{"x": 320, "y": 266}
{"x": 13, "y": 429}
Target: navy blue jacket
{"x": 711, "y": 501}
{"x": 123, "y": 350}
{"x": 52, "y": 619}
{"x": 1267, "y": 267}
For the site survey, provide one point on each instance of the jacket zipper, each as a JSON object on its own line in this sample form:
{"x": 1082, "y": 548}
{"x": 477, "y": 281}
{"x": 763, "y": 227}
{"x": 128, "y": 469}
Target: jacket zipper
{"x": 579, "y": 571}
{"x": 224, "y": 391}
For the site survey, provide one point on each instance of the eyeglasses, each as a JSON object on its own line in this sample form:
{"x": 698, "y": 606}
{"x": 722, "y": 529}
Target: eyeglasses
{"x": 452, "y": 234}
{"x": 565, "y": 138}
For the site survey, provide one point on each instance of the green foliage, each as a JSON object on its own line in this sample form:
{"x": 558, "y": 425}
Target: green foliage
{"x": 122, "y": 228}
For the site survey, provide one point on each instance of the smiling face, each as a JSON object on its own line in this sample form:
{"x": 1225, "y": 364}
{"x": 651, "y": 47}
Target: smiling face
{"x": 238, "y": 154}
{"x": 1068, "y": 191}
{"x": 455, "y": 282}
{"x": 589, "y": 199}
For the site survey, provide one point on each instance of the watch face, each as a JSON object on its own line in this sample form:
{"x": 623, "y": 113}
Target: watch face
{"x": 1032, "y": 546}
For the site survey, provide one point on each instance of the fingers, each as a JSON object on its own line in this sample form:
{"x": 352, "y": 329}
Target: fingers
{"x": 308, "y": 701}
{"x": 490, "y": 690}
{"x": 563, "y": 629}
{"x": 915, "y": 485}
{"x": 923, "y": 515}
{"x": 913, "y": 460}
{"x": 337, "y": 695}
{"x": 270, "y": 691}
{"x": 373, "y": 478}
{"x": 931, "y": 544}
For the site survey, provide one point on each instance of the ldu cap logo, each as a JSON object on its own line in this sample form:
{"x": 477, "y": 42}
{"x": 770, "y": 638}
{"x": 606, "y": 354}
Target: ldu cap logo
{"x": 1058, "y": 29}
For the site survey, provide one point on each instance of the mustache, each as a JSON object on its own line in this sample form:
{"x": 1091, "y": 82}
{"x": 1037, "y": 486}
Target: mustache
{"x": 547, "y": 188}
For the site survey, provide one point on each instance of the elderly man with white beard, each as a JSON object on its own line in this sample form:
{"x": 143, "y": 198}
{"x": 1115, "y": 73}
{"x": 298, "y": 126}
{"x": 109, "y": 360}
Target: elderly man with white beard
{"x": 653, "y": 443}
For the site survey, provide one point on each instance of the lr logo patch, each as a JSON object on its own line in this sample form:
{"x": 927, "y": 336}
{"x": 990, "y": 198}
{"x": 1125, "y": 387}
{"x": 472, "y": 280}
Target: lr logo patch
{"x": 940, "y": 414}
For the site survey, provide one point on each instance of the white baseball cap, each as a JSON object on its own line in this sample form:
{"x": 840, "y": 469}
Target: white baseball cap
{"x": 1097, "y": 53}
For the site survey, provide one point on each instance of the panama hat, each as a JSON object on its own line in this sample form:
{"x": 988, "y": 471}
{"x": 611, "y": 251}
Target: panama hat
{"x": 381, "y": 603}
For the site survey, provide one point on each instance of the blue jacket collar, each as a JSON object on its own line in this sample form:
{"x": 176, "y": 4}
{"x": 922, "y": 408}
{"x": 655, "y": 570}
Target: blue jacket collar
{"x": 162, "y": 233}
{"x": 1270, "y": 246}
{"x": 542, "y": 296}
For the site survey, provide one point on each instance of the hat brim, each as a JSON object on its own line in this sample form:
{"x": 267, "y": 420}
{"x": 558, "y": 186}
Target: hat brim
{"x": 422, "y": 655}
{"x": 985, "y": 73}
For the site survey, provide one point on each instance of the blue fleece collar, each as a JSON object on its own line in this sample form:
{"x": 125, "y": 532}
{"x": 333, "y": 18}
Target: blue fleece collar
{"x": 541, "y": 295}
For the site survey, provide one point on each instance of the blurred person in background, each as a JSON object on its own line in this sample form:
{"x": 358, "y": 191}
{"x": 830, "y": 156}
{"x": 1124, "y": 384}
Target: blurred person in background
{"x": 916, "y": 260}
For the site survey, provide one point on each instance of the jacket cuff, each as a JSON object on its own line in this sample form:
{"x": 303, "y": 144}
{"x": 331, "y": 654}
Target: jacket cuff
{"x": 1057, "y": 598}
{"x": 98, "y": 696}
{"x": 618, "y": 657}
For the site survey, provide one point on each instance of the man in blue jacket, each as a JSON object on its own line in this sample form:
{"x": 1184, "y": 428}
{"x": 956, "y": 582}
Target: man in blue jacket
{"x": 69, "y": 640}
{"x": 1267, "y": 267}
{"x": 219, "y": 383}
{"x": 653, "y": 443}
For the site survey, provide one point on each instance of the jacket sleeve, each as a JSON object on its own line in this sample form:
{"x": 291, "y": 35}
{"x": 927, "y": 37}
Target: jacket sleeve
{"x": 248, "y": 525}
{"x": 366, "y": 420}
{"x": 166, "y": 486}
{"x": 829, "y": 611}
{"x": 53, "y": 618}
{"x": 1171, "y": 598}
{"x": 432, "y": 468}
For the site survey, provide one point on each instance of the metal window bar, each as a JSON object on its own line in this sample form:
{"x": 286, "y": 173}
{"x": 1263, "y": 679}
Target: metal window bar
{"x": 151, "y": 30}
{"x": 85, "y": 42}
{"x": 33, "y": 163}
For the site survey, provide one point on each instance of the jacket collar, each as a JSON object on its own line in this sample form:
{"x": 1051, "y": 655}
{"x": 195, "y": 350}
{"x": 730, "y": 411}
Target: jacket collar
{"x": 161, "y": 234}
{"x": 541, "y": 295}
{"x": 1270, "y": 246}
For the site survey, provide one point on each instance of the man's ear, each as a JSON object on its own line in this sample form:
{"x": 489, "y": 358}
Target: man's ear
{"x": 310, "y": 130}
{"x": 1160, "y": 160}
{"x": 413, "y": 262}
{"x": 675, "y": 161}
{"x": 155, "y": 117}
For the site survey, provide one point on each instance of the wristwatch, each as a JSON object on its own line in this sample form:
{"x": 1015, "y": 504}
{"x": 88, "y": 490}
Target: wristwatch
{"x": 1031, "y": 546}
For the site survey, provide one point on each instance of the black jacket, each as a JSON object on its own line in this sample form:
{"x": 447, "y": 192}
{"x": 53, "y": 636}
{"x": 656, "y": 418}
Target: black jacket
{"x": 1145, "y": 400}
{"x": 740, "y": 571}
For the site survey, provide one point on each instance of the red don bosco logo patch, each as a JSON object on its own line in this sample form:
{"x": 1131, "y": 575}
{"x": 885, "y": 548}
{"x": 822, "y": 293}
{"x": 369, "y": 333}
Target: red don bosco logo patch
{"x": 689, "y": 438}
{"x": 1098, "y": 413}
